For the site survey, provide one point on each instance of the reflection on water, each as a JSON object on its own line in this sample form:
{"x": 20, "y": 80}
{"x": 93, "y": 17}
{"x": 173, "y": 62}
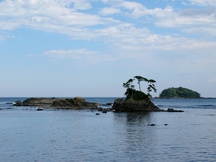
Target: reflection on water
{"x": 139, "y": 119}
{"x": 138, "y": 138}
{"x": 133, "y": 118}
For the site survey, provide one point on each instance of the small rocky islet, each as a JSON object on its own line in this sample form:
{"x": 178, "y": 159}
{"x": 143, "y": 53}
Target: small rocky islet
{"x": 137, "y": 100}
{"x": 58, "y": 103}
{"x": 77, "y": 103}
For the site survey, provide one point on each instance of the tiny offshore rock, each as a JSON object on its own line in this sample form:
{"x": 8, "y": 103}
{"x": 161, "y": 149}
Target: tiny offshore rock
{"x": 151, "y": 124}
{"x": 173, "y": 110}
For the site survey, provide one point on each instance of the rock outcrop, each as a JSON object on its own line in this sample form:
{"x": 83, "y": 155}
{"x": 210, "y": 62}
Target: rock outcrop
{"x": 122, "y": 105}
{"x": 71, "y": 103}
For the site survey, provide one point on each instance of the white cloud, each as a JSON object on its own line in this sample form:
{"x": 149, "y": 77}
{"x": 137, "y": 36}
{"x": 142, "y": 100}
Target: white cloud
{"x": 51, "y": 15}
{"x": 203, "y": 2}
{"x": 63, "y": 16}
{"x": 205, "y": 31}
{"x": 196, "y": 21}
{"x": 23, "y": 11}
{"x": 137, "y": 8}
{"x": 109, "y": 11}
{"x": 185, "y": 21}
{"x": 127, "y": 37}
{"x": 81, "y": 4}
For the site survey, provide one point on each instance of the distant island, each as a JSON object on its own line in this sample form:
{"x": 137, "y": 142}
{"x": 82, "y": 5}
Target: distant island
{"x": 179, "y": 92}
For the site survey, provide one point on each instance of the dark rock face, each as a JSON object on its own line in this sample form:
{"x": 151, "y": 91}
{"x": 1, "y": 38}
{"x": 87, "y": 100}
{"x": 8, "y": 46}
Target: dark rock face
{"x": 72, "y": 103}
{"x": 121, "y": 105}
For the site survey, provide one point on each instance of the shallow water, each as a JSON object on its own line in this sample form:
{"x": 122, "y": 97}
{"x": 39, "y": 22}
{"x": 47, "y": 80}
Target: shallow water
{"x": 73, "y": 135}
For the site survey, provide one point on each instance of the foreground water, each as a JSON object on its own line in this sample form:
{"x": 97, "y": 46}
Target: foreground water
{"x": 73, "y": 135}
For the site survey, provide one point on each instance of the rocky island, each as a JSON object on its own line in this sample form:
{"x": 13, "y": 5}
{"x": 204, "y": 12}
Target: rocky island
{"x": 59, "y": 103}
{"x": 136, "y": 100}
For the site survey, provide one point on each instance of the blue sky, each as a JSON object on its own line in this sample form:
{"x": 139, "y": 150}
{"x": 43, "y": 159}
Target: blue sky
{"x": 88, "y": 48}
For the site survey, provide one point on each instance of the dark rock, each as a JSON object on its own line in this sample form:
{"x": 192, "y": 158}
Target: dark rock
{"x": 41, "y": 102}
{"x": 122, "y": 105}
{"x": 97, "y": 113}
{"x": 109, "y": 109}
{"x": 17, "y": 103}
{"x": 104, "y": 111}
{"x": 151, "y": 124}
{"x": 173, "y": 110}
{"x": 100, "y": 109}
{"x": 40, "y": 109}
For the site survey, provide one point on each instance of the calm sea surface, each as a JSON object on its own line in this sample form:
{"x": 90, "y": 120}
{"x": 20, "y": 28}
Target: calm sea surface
{"x": 80, "y": 135}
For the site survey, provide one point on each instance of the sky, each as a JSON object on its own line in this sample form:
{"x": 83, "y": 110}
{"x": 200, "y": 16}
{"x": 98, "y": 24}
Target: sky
{"x": 89, "y": 48}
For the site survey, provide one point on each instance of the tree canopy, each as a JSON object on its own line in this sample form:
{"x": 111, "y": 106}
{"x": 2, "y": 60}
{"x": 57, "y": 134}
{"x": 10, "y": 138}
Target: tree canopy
{"x": 179, "y": 92}
{"x": 131, "y": 92}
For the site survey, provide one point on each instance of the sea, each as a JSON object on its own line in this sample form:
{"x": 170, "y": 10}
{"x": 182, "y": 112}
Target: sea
{"x": 27, "y": 135}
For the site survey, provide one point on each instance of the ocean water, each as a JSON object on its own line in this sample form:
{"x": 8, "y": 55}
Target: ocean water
{"x": 80, "y": 135}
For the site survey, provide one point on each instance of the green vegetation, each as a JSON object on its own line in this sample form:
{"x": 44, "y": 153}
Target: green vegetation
{"x": 179, "y": 93}
{"x": 132, "y": 93}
